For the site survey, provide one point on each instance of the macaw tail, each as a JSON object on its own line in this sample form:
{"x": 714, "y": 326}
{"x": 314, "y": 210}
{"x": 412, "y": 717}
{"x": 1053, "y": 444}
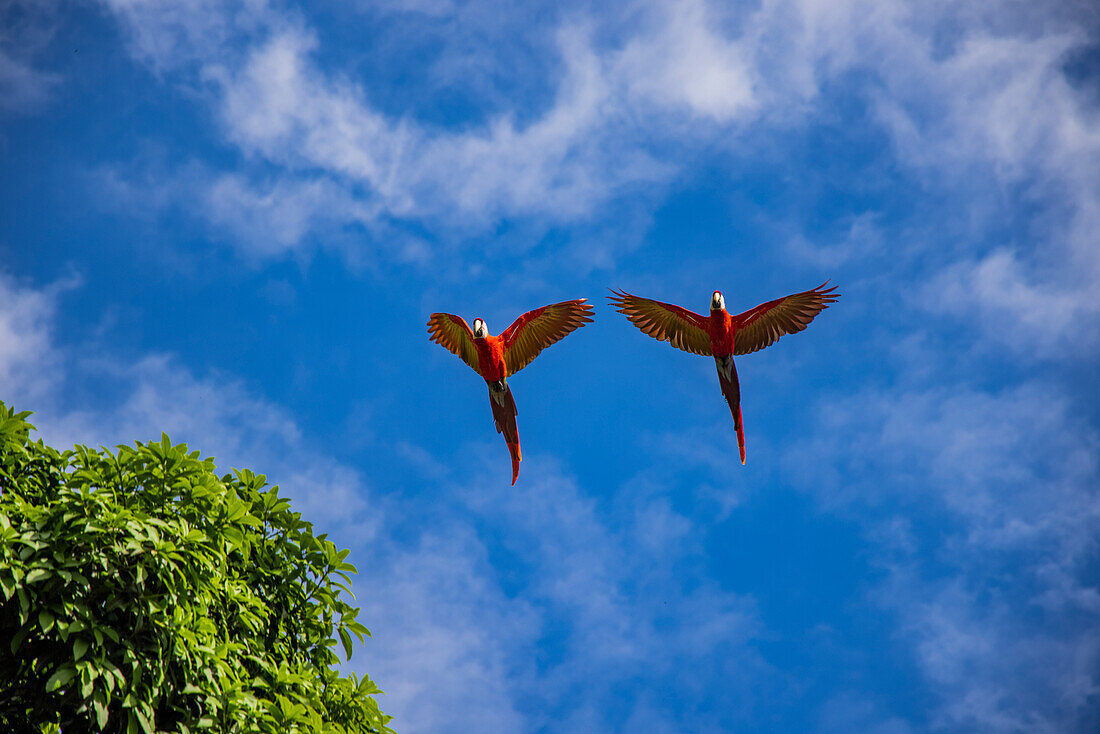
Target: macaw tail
{"x": 731, "y": 389}
{"x": 740, "y": 426}
{"x": 504, "y": 415}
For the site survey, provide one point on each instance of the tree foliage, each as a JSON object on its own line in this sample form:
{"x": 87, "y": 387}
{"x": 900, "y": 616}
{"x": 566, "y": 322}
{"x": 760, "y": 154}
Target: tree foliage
{"x": 141, "y": 592}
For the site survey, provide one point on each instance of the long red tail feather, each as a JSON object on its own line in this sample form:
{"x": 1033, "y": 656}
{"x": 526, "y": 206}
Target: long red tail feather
{"x": 731, "y": 390}
{"x": 504, "y": 415}
{"x": 740, "y": 426}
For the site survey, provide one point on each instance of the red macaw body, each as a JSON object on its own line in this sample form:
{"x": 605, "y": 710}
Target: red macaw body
{"x": 490, "y": 358}
{"x": 496, "y": 358}
{"x": 722, "y": 335}
{"x": 720, "y": 331}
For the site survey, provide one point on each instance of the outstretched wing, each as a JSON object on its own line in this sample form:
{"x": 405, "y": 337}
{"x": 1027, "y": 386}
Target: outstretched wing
{"x": 762, "y": 326}
{"x": 536, "y": 330}
{"x": 681, "y": 328}
{"x": 453, "y": 333}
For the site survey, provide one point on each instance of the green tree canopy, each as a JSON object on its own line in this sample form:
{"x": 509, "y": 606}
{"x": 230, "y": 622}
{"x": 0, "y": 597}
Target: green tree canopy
{"x": 141, "y": 592}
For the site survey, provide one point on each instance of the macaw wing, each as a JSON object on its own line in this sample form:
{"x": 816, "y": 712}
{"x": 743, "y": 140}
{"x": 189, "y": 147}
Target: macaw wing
{"x": 762, "y": 326}
{"x": 681, "y": 328}
{"x": 536, "y": 330}
{"x": 454, "y": 334}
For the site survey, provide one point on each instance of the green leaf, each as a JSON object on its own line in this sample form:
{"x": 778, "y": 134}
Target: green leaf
{"x": 235, "y": 537}
{"x": 45, "y": 621}
{"x": 146, "y": 725}
{"x": 21, "y": 635}
{"x": 61, "y": 677}
{"x": 36, "y": 575}
{"x": 345, "y": 638}
{"x": 101, "y": 712}
{"x": 88, "y": 675}
{"x": 80, "y": 646}
{"x": 236, "y": 510}
{"x": 8, "y": 585}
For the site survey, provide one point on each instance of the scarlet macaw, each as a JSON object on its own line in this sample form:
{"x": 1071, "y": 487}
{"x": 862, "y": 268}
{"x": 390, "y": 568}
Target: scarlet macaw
{"x": 496, "y": 358}
{"x": 721, "y": 335}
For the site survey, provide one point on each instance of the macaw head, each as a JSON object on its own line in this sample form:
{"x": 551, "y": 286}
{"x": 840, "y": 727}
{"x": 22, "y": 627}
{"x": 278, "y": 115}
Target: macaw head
{"x": 479, "y": 329}
{"x": 717, "y": 303}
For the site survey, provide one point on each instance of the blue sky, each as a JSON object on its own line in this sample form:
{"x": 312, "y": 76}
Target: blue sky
{"x": 230, "y": 221}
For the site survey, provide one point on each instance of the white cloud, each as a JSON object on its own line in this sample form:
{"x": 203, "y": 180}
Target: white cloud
{"x": 26, "y": 28}
{"x": 273, "y": 218}
{"x": 171, "y": 34}
{"x": 1034, "y": 318}
{"x": 22, "y": 87}
{"x": 279, "y": 107}
{"x": 282, "y": 107}
{"x": 994, "y": 672}
{"x": 1015, "y": 466}
{"x": 993, "y": 117}
{"x": 686, "y": 61}
{"x": 447, "y": 641}
{"x": 137, "y": 400}
{"x": 965, "y": 96}
{"x": 593, "y": 606}
{"x": 29, "y": 365}
{"x": 992, "y": 597}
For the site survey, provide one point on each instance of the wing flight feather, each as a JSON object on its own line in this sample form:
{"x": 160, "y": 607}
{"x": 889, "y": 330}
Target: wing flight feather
{"x": 535, "y": 330}
{"x": 762, "y": 326}
{"x": 454, "y": 334}
{"x": 681, "y": 328}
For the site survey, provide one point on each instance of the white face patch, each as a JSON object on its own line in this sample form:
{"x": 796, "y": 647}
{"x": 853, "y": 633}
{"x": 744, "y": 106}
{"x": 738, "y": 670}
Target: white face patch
{"x": 717, "y": 301}
{"x": 480, "y": 330}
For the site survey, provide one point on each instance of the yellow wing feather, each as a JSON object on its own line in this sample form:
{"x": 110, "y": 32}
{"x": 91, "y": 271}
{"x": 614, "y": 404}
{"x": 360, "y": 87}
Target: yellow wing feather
{"x": 454, "y": 334}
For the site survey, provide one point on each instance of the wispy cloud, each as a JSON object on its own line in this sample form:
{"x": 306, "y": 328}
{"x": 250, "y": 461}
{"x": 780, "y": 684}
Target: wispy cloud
{"x": 1045, "y": 317}
{"x": 277, "y": 105}
{"x": 25, "y": 29}
{"x": 29, "y": 363}
{"x": 961, "y": 98}
{"x": 85, "y": 394}
{"x": 987, "y": 572}
{"x": 592, "y": 608}
{"x": 995, "y": 113}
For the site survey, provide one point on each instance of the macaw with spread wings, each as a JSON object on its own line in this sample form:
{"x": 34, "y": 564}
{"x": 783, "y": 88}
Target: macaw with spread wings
{"x": 496, "y": 358}
{"x": 721, "y": 335}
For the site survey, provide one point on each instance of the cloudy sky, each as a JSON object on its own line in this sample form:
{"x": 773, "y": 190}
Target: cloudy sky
{"x": 230, "y": 220}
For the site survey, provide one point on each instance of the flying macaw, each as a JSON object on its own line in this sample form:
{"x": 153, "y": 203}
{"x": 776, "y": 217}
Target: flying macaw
{"x": 496, "y": 358}
{"x": 721, "y": 335}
